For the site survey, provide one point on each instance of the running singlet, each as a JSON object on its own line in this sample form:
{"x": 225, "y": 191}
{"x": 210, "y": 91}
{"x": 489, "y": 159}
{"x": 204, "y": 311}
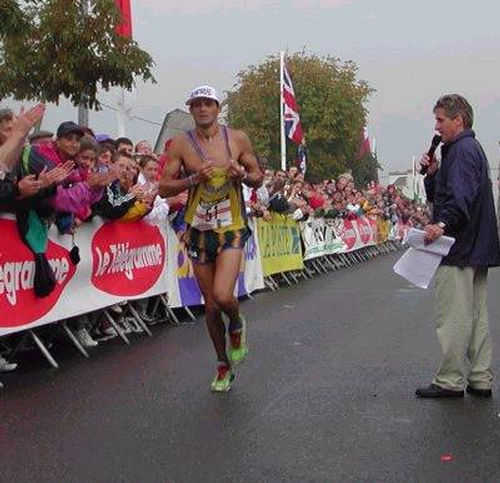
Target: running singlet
{"x": 218, "y": 203}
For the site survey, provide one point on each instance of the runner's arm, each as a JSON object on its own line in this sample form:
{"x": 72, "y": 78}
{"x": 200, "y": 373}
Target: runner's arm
{"x": 253, "y": 175}
{"x": 169, "y": 186}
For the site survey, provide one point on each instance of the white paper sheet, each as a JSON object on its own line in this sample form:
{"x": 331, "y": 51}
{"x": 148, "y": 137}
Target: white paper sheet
{"x": 420, "y": 262}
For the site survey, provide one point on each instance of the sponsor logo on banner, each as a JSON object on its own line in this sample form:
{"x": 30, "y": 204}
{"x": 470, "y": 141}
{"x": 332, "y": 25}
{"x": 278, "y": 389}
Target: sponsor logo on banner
{"x": 280, "y": 244}
{"x": 127, "y": 258}
{"x": 18, "y": 303}
{"x": 365, "y": 231}
{"x": 348, "y": 234}
{"x": 190, "y": 293}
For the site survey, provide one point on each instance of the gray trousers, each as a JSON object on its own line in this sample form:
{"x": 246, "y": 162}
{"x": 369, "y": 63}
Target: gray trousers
{"x": 462, "y": 328}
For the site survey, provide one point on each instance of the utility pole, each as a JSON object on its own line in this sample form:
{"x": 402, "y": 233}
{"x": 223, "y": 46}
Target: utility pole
{"x": 83, "y": 112}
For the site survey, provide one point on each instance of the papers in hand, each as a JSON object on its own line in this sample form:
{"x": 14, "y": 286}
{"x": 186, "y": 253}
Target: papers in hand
{"x": 420, "y": 262}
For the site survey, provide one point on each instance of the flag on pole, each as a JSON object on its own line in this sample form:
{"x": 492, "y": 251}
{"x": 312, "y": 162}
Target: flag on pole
{"x": 364, "y": 147}
{"x": 125, "y": 27}
{"x": 293, "y": 128}
{"x": 302, "y": 158}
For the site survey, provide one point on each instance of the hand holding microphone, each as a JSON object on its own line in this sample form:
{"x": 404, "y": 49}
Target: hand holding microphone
{"x": 428, "y": 164}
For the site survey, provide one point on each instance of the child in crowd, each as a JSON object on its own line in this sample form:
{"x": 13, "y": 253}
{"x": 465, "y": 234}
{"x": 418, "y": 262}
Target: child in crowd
{"x": 148, "y": 178}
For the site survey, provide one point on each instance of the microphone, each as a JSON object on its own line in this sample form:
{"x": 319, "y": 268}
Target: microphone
{"x": 434, "y": 144}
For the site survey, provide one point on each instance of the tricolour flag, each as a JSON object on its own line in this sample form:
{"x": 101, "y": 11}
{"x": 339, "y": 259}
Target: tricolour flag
{"x": 293, "y": 128}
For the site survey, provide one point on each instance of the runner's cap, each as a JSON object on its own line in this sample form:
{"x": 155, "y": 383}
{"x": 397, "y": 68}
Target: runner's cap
{"x": 203, "y": 92}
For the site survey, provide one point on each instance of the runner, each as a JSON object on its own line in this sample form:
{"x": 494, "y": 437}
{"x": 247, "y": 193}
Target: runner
{"x": 217, "y": 160}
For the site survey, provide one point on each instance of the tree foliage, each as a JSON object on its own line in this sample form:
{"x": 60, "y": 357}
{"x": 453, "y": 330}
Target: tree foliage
{"x": 332, "y": 110}
{"x": 50, "y": 48}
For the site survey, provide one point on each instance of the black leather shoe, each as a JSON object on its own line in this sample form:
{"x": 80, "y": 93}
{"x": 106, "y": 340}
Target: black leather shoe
{"x": 434, "y": 390}
{"x": 479, "y": 392}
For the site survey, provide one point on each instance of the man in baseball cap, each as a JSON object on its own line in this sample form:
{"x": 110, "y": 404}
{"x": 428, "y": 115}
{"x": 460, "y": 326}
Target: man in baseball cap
{"x": 203, "y": 92}
{"x": 40, "y": 137}
{"x": 69, "y": 127}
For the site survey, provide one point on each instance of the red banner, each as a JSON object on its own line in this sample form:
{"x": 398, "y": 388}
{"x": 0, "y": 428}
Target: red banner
{"x": 119, "y": 261}
{"x": 125, "y": 28}
{"x": 18, "y": 302}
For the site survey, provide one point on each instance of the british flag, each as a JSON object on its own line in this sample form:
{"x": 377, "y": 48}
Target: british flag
{"x": 293, "y": 128}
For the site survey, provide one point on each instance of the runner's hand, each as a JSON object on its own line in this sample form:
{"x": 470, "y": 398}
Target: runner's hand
{"x": 235, "y": 170}
{"x": 205, "y": 173}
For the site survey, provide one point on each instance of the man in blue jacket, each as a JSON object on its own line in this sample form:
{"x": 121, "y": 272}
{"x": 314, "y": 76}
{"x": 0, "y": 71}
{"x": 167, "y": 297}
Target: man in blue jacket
{"x": 463, "y": 207}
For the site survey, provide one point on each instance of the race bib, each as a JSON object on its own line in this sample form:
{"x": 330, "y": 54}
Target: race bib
{"x": 213, "y": 216}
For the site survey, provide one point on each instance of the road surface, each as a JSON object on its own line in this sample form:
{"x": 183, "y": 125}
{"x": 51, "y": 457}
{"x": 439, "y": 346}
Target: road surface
{"x": 326, "y": 395}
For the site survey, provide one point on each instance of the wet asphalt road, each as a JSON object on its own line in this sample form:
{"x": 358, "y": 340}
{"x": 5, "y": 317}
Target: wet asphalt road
{"x": 326, "y": 395}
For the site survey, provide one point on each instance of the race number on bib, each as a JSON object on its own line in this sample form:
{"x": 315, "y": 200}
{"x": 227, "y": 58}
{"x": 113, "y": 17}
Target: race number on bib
{"x": 213, "y": 216}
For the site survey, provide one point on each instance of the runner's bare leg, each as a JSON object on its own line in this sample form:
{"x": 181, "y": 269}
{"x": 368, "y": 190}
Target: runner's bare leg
{"x": 227, "y": 268}
{"x": 204, "y": 274}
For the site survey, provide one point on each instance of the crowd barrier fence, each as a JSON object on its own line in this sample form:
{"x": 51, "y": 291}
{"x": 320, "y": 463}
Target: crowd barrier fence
{"x": 126, "y": 261}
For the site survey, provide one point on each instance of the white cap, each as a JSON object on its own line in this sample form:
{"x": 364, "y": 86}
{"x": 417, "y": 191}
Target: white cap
{"x": 203, "y": 92}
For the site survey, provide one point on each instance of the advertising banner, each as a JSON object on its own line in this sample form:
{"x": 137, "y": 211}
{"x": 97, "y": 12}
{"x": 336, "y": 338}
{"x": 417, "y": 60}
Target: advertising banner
{"x": 359, "y": 233}
{"x": 319, "y": 238}
{"x": 119, "y": 261}
{"x": 367, "y": 234}
{"x": 280, "y": 245}
{"x": 383, "y": 230}
{"x": 183, "y": 290}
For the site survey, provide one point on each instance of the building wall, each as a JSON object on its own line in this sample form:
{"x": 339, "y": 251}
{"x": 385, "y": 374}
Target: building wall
{"x": 176, "y": 122}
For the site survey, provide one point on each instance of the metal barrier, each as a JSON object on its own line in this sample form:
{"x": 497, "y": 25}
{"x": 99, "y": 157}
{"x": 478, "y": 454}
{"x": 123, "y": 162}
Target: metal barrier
{"x": 160, "y": 312}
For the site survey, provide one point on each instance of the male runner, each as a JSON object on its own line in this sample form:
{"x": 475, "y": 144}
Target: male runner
{"x": 217, "y": 160}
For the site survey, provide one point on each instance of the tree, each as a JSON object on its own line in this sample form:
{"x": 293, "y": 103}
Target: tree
{"x": 365, "y": 169}
{"x": 332, "y": 111}
{"x": 50, "y": 48}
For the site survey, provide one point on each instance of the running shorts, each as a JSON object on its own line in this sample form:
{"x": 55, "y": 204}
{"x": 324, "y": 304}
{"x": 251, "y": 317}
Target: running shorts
{"x": 204, "y": 246}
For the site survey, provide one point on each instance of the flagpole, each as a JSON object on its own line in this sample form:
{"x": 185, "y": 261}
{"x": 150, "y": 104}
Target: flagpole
{"x": 282, "y": 120}
{"x": 414, "y": 176}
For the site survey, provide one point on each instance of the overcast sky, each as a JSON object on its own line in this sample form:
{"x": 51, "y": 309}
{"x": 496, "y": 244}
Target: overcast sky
{"x": 411, "y": 52}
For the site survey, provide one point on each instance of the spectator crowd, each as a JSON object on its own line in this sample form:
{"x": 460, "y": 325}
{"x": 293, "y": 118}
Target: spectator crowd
{"x": 68, "y": 177}
{"x": 288, "y": 192}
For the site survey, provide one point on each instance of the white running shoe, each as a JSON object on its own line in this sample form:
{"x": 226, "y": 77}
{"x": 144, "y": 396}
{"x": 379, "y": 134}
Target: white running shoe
{"x": 6, "y": 366}
{"x": 85, "y": 339}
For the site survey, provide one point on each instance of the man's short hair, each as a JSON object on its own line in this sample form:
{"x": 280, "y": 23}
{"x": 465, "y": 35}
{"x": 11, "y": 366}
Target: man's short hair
{"x": 88, "y": 143}
{"x": 6, "y": 114}
{"x": 124, "y": 140}
{"x": 88, "y": 132}
{"x": 120, "y": 154}
{"x": 105, "y": 147}
{"x": 144, "y": 159}
{"x": 455, "y": 105}
{"x": 40, "y": 134}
